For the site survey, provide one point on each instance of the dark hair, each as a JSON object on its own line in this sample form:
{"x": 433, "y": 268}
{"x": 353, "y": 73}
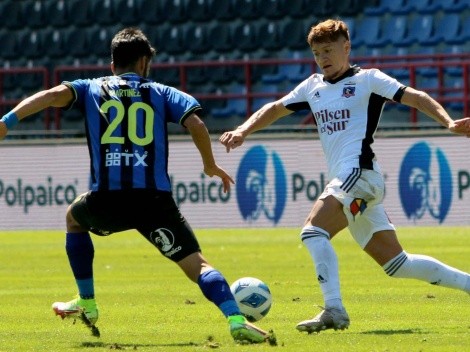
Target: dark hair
{"x": 328, "y": 31}
{"x": 129, "y": 45}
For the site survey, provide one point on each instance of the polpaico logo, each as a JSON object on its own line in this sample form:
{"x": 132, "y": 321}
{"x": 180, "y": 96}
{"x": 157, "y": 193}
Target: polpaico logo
{"x": 261, "y": 185}
{"x": 425, "y": 182}
{"x": 26, "y": 195}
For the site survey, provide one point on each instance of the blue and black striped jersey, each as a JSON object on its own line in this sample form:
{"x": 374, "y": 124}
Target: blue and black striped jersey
{"x": 126, "y": 120}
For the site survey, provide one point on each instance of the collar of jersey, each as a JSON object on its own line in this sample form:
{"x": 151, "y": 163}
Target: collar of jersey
{"x": 133, "y": 74}
{"x": 350, "y": 72}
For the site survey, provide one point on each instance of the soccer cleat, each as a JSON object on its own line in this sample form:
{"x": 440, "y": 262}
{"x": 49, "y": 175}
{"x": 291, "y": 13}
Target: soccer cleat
{"x": 78, "y": 308}
{"x": 245, "y": 332}
{"x": 328, "y": 318}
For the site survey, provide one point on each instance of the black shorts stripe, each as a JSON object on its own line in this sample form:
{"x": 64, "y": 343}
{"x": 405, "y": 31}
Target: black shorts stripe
{"x": 351, "y": 180}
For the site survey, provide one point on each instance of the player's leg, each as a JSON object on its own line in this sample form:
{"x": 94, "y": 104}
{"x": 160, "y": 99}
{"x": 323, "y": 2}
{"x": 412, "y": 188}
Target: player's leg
{"x": 385, "y": 249}
{"x": 325, "y": 220}
{"x": 175, "y": 239}
{"x": 80, "y": 252}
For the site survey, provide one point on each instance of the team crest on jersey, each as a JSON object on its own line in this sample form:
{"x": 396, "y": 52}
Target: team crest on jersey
{"x": 349, "y": 92}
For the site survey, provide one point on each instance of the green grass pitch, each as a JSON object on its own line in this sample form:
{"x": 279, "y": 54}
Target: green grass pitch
{"x": 147, "y": 304}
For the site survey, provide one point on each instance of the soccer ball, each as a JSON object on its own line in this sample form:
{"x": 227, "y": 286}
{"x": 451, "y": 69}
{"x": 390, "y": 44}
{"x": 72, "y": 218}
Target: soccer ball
{"x": 253, "y": 297}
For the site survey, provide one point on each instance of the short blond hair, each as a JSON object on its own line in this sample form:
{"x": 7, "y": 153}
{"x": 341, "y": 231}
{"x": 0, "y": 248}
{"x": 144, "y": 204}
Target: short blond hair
{"x": 328, "y": 31}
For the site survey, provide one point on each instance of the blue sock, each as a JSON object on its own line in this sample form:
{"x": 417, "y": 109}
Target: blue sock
{"x": 80, "y": 252}
{"x": 216, "y": 289}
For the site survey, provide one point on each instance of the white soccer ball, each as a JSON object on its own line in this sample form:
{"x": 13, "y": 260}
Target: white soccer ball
{"x": 253, "y": 297}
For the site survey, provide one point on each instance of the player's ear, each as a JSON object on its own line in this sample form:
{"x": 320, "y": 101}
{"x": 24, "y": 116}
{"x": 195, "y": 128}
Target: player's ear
{"x": 347, "y": 47}
{"x": 113, "y": 69}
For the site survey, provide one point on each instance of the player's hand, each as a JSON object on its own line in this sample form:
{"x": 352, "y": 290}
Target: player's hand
{"x": 232, "y": 139}
{"x": 216, "y": 170}
{"x": 461, "y": 127}
{"x": 3, "y": 130}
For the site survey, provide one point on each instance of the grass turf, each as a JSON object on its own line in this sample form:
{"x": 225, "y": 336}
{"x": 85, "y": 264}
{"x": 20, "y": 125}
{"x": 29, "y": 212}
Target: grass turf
{"x": 147, "y": 304}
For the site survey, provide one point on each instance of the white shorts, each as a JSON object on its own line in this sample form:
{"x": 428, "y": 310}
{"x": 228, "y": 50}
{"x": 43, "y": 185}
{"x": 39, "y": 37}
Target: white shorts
{"x": 361, "y": 192}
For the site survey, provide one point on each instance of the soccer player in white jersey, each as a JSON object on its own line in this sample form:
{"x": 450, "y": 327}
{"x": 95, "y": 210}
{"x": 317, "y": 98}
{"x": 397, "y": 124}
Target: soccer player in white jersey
{"x": 346, "y": 102}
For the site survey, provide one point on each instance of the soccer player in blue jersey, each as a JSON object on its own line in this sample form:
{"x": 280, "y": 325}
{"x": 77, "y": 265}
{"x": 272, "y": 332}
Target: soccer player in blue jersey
{"x": 125, "y": 117}
{"x": 347, "y": 102}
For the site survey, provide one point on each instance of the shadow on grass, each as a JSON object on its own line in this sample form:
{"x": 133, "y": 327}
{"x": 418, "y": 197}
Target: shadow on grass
{"x": 121, "y": 346}
{"x": 394, "y": 332}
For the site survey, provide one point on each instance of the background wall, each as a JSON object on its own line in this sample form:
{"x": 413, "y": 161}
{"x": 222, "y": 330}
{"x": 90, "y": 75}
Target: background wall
{"x": 427, "y": 182}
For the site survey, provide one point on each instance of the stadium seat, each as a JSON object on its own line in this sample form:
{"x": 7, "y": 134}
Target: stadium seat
{"x": 393, "y": 32}
{"x": 344, "y": 8}
{"x": 425, "y": 6}
{"x": 271, "y": 91}
{"x": 31, "y": 44}
{"x": 100, "y": 40}
{"x": 294, "y": 34}
{"x": 234, "y": 106}
{"x": 223, "y": 74}
{"x": 103, "y": 12}
{"x": 367, "y": 31}
{"x": 419, "y": 28}
{"x": 270, "y": 34}
{"x": 292, "y": 72}
{"x": 10, "y": 45}
{"x": 248, "y": 10}
{"x": 11, "y": 15}
{"x": 454, "y": 5}
{"x": 221, "y": 37}
{"x": 397, "y": 7}
{"x": 464, "y": 33}
{"x": 196, "y": 38}
{"x": 222, "y": 10}
{"x": 150, "y": 12}
{"x": 76, "y": 42}
{"x": 81, "y": 11}
{"x": 34, "y": 11}
{"x": 246, "y": 37}
{"x": 57, "y": 13}
{"x": 127, "y": 12}
{"x": 175, "y": 11}
{"x": 302, "y": 9}
{"x": 198, "y": 10}
{"x": 173, "y": 37}
{"x": 445, "y": 29}
{"x": 454, "y": 90}
{"x": 274, "y": 9}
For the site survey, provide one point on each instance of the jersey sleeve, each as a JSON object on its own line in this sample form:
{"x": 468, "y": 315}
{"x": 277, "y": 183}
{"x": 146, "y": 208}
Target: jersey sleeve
{"x": 385, "y": 86}
{"x": 79, "y": 88}
{"x": 296, "y": 100}
{"x": 180, "y": 105}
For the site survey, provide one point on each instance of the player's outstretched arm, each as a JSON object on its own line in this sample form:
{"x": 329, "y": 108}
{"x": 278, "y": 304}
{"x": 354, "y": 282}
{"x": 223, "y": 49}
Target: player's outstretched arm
{"x": 201, "y": 138}
{"x": 265, "y": 116}
{"x": 58, "y": 96}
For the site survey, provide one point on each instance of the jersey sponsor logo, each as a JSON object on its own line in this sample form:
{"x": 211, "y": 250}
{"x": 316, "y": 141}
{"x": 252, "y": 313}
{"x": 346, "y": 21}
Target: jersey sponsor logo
{"x": 261, "y": 185}
{"x": 164, "y": 240}
{"x": 425, "y": 182}
{"x": 349, "y": 92}
{"x": 125, "y": 159}
{"x": 331, "y": 121}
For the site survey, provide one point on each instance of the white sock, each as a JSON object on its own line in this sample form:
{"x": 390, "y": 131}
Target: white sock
{"x": 324, "y": 257}
{"x": 425, "y": 268}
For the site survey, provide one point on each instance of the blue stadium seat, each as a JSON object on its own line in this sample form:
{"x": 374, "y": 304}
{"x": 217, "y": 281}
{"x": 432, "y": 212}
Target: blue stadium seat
{"x": 76, "y": 42}
{"x": 445, "y": 29}
{"x": 454, "y": 5}
{"x": 234, "y": 106}
{"x": 367, "y": 31}
{"x": 351, "y": 23}
{"x": 419, "y": 28}
{"x": 397, "y": 7}
{"x": 454, "y": 70}
{"x": 425, "y": 6}
{"x": 344, "y": 8}
{"x": 150, "y": 12}
{"x": 464, "y": 33}
{"x": 173, "y": 37}
{"x": 271, "y": 89}
{"x": 54, "y": 41}
{"x": 10, "y": 45}
{"x": 302, "y": 9}
{"x": 248, "y": 9}
{"x": 99, "y": 39}
{"x": 222, "y": 10}
{"x": 393, "y": 31}
{"x": 292, "y": 72}
{"x": 454, "y": 89}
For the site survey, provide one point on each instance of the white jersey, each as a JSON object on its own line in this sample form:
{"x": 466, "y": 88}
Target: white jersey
{"x": 346, "y": 112}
